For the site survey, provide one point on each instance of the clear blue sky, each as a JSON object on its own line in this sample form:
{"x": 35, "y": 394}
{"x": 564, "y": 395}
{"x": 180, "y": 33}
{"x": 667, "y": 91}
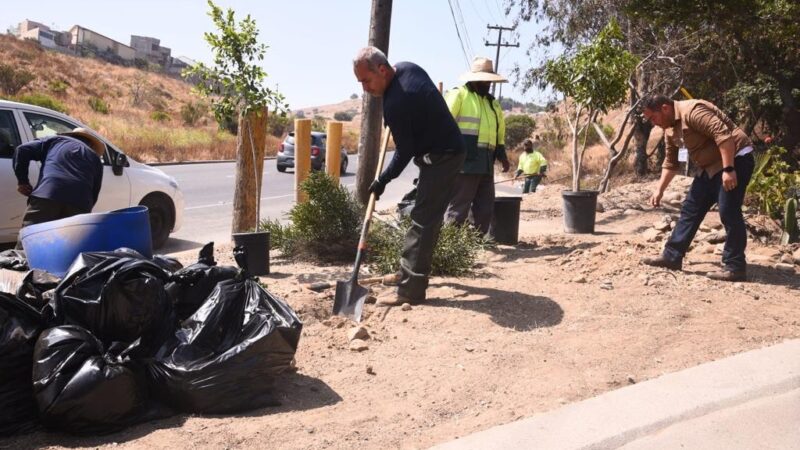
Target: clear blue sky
{"x": 311, "y": 42}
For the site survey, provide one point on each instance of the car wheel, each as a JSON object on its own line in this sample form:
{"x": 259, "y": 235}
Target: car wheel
{"x": 161, "y": 218}
{"x": 343, "y": 167}
{"x": 281, "y": 169}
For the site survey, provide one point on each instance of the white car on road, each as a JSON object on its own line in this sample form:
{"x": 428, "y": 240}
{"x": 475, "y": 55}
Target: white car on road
{"x": 125, "y": 182}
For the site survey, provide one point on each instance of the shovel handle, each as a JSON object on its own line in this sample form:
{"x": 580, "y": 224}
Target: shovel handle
{"x": 362, "y": 242}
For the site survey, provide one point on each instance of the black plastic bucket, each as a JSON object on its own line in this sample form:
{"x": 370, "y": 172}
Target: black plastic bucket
{"x": 256, "y": 246}
{"x": 505, "y": 224}
{"x": 579, "y": 211}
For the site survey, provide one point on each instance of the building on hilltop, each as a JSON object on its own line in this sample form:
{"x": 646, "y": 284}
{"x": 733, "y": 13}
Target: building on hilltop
{"x": 87, "y": 42}
{"x": 149, "y": 49}
{"x": 35, "y": 31}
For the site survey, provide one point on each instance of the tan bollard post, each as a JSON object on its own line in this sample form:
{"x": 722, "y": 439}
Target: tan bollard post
{"x": 302, "y": 156}
{"x": 333, "y": 152}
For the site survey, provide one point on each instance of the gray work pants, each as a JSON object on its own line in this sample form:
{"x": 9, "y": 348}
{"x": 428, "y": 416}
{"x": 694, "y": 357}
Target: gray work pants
{"x": 42, "y": 210}
{"x": 436, "y": 175}
{"x": 472, "y": 192}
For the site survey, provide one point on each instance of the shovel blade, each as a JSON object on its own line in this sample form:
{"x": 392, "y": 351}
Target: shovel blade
{"x": 349, "y": 300}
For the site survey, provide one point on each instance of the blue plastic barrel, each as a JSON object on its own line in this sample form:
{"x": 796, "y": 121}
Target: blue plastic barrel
{"x": 52, "y": 246}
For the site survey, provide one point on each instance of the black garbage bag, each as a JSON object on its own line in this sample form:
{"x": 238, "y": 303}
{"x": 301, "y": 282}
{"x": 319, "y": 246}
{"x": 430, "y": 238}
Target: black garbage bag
{"x": 191, "y": 285}
{"x": 37, "y": 288}
{"x": 225, "y": 357}
{"x": 13, "y": 260}
{"x": 81, "y": 388}
{"x": 116, "y": 296}
{"x": 167, "y": 263}
{"x": 20, "y": 326}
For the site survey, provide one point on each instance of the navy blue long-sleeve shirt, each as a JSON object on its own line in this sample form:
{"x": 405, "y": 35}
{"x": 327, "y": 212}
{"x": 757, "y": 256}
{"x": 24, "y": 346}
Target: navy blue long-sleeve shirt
{"x": 70, "y": 173}
{"x": 418, "y": 117}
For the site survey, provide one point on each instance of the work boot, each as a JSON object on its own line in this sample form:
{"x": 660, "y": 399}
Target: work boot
{"x": 393, "y": 279}
{"x": 660, "y": 261}
{"x": 728, "y": 275}
{"x": 392, "y": 298}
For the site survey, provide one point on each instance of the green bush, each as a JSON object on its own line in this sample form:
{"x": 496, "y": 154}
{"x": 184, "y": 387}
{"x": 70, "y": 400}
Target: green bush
{"x": 327, "y": 226}
{"x": 43, "y": 100}
{"x": 454, "y": 255}
{"x": 319, "y": 123}
{"x": 160, "y": 116}
{"x": 278, "y": 124}
{"x": 13, "y": 80}
{"x": 343, "y": 116}
{"x": 518, "y": 128}
{"x": 192, "y": 112}
{"x": 58, "y": 87}
{"x": 98, "y": 105}
{"x": 773, "y": 182}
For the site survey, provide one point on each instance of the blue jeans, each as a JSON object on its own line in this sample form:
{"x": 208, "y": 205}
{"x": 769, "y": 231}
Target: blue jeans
{"x": 703, "y": 194}
{"x": 531, "y": 182}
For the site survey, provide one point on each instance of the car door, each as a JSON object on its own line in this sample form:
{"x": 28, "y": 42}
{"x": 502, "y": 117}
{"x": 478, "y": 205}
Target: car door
{"x": 12, "y": 203}
{"x": 116, "y": 190}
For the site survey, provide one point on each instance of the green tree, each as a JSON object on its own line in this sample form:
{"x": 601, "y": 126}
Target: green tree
{"x": 234, "y": 85}
{"x": 518, "y": 128}
{"x": 343, "y": 116}
{"x": 592, "y": 80}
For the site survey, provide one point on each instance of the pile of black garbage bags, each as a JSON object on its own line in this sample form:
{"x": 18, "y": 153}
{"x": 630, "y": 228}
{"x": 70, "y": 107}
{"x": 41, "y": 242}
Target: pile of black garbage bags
{"x": 122, "y": 339}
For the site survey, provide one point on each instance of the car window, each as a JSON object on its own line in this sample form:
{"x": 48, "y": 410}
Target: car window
{"x": 43, "y": 126}
{"x": 9, "y": 134}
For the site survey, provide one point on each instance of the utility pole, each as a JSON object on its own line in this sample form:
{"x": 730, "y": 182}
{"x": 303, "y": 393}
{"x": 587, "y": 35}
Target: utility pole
{"x": 372, "y": 107}
{"x": 499, "y": 44}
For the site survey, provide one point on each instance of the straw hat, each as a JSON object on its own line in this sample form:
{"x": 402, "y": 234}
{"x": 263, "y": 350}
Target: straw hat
{"x": 482, "y": 69}
{"x": 96, "y": 144}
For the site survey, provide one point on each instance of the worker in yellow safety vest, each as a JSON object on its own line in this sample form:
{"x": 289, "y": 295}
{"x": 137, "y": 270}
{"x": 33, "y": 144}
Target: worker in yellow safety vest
{"x": 531, "y": 164}
{"x": 483, "y": 128}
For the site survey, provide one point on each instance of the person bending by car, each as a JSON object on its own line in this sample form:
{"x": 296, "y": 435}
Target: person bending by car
{"x": 70, "y": 175}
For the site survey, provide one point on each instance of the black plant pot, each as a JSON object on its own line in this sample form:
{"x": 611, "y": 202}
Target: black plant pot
{"x": 579, "y": 211}
{"x": 256, "y": 246}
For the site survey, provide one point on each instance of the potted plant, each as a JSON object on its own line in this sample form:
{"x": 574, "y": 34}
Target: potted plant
{"x": 591, "y": 80}
{"x": 235, "y": 87}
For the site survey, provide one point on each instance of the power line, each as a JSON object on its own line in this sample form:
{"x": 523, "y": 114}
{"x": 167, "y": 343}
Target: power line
{"x": 464, "y": 28}
{"x": 458, "y": 33}
{"x": 499, "y": 44}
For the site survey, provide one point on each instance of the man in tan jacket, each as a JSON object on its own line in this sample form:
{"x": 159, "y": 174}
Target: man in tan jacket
{"x": 697, "y": 130}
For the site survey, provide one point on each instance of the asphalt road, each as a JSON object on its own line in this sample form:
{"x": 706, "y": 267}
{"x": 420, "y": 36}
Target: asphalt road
{"x": 208, "y": 193}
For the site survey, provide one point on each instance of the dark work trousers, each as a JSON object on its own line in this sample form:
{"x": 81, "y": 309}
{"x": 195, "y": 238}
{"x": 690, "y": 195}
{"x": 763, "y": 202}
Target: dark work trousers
{"x": 703, "y": 194}
{"x": 436, "y": 178}
{"x": 475, "y": 193}
{"x": 42, "y": 210}
{"x": 531, "y": 182}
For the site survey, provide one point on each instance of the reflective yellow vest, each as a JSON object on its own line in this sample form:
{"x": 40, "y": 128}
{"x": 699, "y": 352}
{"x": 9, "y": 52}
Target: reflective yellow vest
{"x": 483, "y": 128}
{"x": 530, "y": 163}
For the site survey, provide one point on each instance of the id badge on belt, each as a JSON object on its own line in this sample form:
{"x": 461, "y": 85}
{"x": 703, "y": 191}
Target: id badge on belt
{"x": 683, "y": 154}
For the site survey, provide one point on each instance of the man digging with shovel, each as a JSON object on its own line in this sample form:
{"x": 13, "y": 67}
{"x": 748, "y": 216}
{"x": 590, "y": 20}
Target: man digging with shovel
{"x": 425, "y": 131}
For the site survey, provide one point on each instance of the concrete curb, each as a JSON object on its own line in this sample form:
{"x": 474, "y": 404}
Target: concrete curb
{"x": 619, "y": 417}
{"x": 185, "y": 163}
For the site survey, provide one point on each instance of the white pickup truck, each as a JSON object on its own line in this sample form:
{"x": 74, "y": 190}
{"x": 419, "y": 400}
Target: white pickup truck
{"x": 125, "y": 182}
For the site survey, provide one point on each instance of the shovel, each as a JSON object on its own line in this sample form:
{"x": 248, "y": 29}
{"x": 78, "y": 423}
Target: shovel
{"x": 350, "y": 296}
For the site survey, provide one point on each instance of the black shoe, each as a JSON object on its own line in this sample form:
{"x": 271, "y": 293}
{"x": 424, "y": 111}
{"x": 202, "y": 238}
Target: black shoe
{"x": 660, "y": 261}
{"x": 728, "y": 275}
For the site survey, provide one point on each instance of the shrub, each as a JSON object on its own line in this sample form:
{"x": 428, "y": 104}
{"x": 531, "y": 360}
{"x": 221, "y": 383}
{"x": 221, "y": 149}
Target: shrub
{"x": 160, "y": 116}
{"x": 518, "y": 128}
{"x": 353, "y": 96}
{"x": 773, "y": 182}
{"x": 192, "y": 112}
{"x": 319, "y": 123}
{"x": 300, "y": 114}
{"x": 58, "y": 87}
{"x": 13, "y": 80}
{"x": 344, "y": 116}
{"x": 327, "y": 226}
{"x": 43, "y": 100}
{"x": 454, "y": 255}
{"x": 98, "y": 105}
{"x": 278, "y": 124}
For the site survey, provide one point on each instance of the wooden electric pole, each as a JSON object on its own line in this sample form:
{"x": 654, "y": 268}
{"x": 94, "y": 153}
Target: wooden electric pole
{"x": 498, "y": 45}
{"x": 372, "y": 107}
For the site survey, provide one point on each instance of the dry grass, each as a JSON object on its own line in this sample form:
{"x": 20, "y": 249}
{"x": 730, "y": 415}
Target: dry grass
{"x": 133, "y": 96}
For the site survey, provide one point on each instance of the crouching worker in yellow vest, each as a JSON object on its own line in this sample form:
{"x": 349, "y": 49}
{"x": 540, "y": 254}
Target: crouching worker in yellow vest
{"x": 531, "y": 164}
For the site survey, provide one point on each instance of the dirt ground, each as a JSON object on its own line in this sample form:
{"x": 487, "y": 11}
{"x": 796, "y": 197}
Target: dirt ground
{"x": 553, "y": 320}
